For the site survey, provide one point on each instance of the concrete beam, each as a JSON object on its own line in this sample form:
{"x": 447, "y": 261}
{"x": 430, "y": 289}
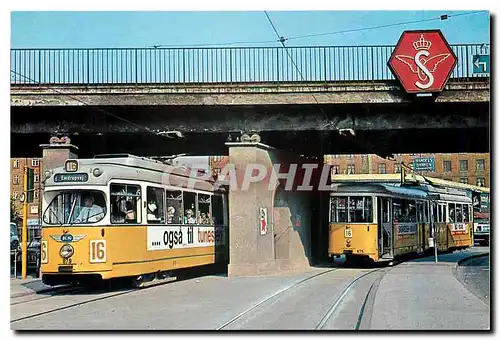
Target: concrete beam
{"x": 237, "y": 94}
{"x": 260, "y": 122}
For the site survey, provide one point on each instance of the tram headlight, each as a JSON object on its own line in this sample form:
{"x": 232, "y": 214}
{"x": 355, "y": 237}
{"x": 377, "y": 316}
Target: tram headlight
{"x": 48, "y": 173}
{"x": 97, "y": 172}
{"x": 66, "y": 251}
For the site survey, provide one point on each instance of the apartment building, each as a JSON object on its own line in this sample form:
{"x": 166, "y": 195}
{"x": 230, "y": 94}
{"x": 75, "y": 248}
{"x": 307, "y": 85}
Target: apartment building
{"x": 17, "y": 166}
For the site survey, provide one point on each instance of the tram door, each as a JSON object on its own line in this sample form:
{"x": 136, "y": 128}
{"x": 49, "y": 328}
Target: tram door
{"x": 385, "y": 228}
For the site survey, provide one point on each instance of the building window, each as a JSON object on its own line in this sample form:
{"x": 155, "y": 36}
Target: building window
{"x": 35, "y": 162}
{"x": 217, "y": 171}
{"x": 15, "y": 195}
{"x": 15, "y": 164}
{"x": 381, "y": 168}
{"x": 464, "y": 165}
{"x": 35, "y": 194}
{"x": 464, "y": 180}
{"x": 350, "y": 169}
{"x": 350, "y": 156}
{"x": 335, "y": 170}
{"x": 397, "y": 168}
{"x": 34, "y": 209}
{"x": 447, "y": 166}
{"x": 480, "y": 165}
{"x": 15, "y": 179}
{"x": 36, "y": 178}
{"x": 481, "y": 182}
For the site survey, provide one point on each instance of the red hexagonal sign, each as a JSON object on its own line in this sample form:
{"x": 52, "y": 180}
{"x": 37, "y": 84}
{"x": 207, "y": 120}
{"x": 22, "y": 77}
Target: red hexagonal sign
{"x": 422, "y": 61}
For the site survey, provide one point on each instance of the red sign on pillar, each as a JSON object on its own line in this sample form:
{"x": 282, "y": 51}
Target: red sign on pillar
{"x": 422, "y": 61}
{"x": 263, "y": 221}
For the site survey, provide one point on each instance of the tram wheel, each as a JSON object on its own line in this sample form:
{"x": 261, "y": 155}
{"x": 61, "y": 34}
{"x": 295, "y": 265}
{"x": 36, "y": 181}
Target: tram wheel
{"x": 137, "y": 282}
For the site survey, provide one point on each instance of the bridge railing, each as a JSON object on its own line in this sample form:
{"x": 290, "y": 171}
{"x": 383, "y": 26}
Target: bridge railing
{"x": 216, "y": 65}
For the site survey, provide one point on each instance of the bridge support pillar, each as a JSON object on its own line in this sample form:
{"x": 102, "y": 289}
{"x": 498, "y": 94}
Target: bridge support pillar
{"x": 257, "y": 200}
{"x": 57, "y": 152}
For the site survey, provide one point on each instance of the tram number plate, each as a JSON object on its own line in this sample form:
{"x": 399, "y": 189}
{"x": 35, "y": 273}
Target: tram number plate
{"x": 348, "y": 233}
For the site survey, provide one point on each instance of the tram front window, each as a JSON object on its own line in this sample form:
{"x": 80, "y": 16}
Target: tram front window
{"x": 75, "y": 207}
{"x": 351, "y": 209}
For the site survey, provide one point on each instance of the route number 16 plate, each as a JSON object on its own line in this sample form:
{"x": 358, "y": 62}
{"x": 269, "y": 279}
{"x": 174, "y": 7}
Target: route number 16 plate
{"x": 348, "y": 233}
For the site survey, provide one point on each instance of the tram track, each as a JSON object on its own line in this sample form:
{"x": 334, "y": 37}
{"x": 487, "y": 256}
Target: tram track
{"x": 323, "y": 322}
{"x": 84, "y": 301}
{"x": 321, "y": 325}
{"x": 47, "y": 295}
{"x": 247, "y": 311}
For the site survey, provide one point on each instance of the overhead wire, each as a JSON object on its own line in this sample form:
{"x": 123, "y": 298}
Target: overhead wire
{"x": 329, "y": 123}
{"x": 282, "y": 41}
{"x": 441, "y": 18}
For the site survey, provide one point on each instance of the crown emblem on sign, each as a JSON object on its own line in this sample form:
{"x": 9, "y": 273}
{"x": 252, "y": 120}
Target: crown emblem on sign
{"x": 422, "y": 44}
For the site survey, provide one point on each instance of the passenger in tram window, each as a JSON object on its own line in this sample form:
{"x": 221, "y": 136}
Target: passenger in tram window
{"x": 452, "y": 216}
{"x": 152, "y": 210}
{"x": 466, "y": 213}
{"x": 189, "y": 218}
{"x": 204, "y": 219}
{"x": 91, "y": 212}
{"x": 170, "y": 215}
{"x": 130, "y": 216}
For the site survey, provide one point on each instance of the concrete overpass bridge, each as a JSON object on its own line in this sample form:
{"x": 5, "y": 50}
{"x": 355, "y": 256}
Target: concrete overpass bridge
{"x": 108, "y": 99}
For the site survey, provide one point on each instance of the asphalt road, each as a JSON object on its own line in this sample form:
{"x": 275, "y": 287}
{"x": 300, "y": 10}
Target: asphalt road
{"x": 474, "y": 274}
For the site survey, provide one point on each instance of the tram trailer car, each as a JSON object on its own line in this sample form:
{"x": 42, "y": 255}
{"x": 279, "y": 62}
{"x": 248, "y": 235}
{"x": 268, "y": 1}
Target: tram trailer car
{"x": 380, "y": 222}
{"x": 128, "y": 217}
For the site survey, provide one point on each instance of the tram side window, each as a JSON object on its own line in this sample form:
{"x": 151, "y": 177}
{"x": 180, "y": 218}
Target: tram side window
{"x": 458, "y": 213}
{"x": 174, "y": 207}
{"x": 404, "y": 210}
{"x": 451, "y": 212}
{"x": 125, "y": 203}
{"x": 465, "y": 213}
{"x": 204, "y": 216}
{"x": 442, "y": 213}
{"x": 217, "y": 210}
{"x": 397, "y": 209}
{"x": 189, "y": 199}
{"x": 360, "y": 209}
{"x": 386, "y": 211}
{"x": 421, "y": 215}
{"x": 435, "y": 216}
{"x": 155, "y": 205}
{"x": 338, "y": 209}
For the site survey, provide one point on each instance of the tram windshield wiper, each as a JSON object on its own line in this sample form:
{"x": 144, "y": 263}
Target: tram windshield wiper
{"x": 57, "y": 218}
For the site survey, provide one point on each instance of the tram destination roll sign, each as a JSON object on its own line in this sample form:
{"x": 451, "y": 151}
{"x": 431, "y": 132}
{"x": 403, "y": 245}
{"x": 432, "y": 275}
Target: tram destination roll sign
{"x": 80, "y": 177}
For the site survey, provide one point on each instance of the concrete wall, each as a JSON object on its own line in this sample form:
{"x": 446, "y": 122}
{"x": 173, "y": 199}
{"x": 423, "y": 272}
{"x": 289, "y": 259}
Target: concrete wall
{"x": 239, "y": 94}
{"x": 56, "y": 156}
{"x": 287, "y": 245}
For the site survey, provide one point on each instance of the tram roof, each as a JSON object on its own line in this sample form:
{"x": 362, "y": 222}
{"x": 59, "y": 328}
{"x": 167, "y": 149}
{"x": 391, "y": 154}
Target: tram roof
{"x": 396, "y": 178}
{"x": 129, "y": 167}
{"x": 379, "y": 188}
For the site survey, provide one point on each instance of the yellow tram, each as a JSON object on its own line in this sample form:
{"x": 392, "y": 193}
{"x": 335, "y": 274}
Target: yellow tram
{"x": 127, "y": 216}
{"x": 380, "y": 221}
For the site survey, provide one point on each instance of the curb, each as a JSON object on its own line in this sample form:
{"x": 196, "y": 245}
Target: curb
{"x": 32, "y": 292}
{"x": 472, "y": 257}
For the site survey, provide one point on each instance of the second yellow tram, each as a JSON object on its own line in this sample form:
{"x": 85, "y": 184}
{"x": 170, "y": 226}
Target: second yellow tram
{"x": 383, "y": 221}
